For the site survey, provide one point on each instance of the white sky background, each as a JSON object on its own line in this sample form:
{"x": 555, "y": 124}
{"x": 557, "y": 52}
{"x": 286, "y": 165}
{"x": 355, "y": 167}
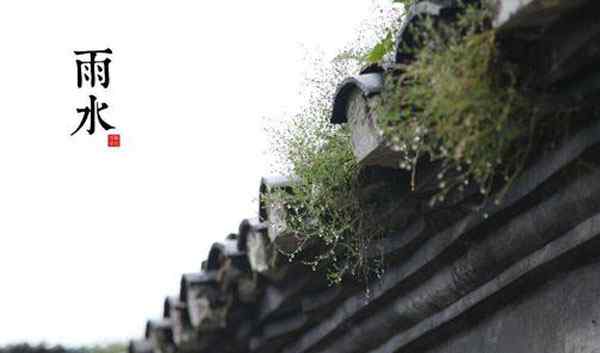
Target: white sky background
{"x": 92, "y": 238}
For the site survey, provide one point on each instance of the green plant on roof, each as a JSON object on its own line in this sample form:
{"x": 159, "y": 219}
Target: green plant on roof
{"x": 459, "y": 103}
{"x": 323, "y": 207}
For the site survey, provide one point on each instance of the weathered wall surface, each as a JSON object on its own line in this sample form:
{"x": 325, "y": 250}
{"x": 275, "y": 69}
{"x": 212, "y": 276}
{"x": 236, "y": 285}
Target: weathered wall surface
{"x": 560, "y": 316}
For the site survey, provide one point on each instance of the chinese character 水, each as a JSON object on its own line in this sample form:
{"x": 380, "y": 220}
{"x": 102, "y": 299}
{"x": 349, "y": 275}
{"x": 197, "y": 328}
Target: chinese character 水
{"x": 92, "y": 112}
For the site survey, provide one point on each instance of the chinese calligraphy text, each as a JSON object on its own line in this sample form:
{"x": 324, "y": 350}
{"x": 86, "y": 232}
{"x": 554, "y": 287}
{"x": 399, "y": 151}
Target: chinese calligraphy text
{"x": 93, "y": 68}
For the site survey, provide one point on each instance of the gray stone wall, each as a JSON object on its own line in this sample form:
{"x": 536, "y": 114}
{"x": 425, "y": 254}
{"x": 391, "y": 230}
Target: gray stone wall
{"x": 559, "y": 316}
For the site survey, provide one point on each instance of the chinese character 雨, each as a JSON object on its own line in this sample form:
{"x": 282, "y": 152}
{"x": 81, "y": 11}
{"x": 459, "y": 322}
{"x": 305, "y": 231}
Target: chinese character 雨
{"x": 93, "y": 70}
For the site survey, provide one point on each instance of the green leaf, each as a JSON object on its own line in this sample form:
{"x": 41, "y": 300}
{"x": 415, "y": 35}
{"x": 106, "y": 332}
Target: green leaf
{"x": 380, "y": 50}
